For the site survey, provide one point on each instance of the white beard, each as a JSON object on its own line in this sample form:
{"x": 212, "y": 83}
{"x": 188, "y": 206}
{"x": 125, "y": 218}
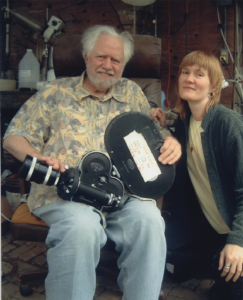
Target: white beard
{"x": 99, "y": 82}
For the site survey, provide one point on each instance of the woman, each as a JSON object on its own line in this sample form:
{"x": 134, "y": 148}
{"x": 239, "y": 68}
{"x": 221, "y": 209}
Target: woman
{"x": 205, "y": 235}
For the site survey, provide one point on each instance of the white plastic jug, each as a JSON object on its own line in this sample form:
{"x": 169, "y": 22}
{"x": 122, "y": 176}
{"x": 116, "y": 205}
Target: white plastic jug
{"x": 29, "y": 71}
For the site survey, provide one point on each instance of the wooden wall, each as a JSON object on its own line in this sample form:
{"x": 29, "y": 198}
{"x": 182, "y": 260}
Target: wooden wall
{"x": 198, "y": 32}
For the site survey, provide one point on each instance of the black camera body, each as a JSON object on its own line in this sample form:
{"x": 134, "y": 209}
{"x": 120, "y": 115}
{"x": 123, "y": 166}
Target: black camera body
{"x": 96, "y": 182}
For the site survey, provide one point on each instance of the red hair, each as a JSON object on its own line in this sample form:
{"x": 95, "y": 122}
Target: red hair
{"x": 210, "y": 63}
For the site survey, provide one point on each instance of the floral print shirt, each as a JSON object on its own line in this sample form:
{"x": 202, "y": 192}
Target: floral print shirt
{"x": 65, "y": 121}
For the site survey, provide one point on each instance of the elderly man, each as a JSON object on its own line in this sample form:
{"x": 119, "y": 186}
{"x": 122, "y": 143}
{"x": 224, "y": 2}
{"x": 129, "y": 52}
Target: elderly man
{"x": 58, "y": 125}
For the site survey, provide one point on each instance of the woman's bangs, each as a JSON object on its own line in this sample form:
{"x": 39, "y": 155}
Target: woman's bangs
{"x": 196, "y": 59}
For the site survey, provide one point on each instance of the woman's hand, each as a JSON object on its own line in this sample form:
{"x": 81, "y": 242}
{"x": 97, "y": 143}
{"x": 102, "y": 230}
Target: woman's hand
{"x": 157, "y": 114}
{"x": 232, "y": 256}
{"x": 170, "y": 151}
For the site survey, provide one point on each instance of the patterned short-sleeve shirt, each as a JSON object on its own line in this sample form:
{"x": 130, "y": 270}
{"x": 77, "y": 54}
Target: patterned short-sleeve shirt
{"x": 65, "y": 121}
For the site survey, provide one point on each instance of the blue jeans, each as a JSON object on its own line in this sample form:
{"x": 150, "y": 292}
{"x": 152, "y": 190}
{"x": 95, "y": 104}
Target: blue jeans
{"x": 76, "y": 236}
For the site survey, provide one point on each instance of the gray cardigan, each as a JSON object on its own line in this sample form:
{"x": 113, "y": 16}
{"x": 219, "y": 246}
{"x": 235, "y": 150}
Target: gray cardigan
{"x": 222, "y": 142}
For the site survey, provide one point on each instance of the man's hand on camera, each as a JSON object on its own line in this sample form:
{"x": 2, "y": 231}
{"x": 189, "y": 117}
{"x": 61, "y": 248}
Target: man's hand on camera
{"x": 55, "y": 163}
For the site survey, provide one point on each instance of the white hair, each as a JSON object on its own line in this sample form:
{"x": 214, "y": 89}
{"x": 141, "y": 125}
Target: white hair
{"x": 91, "y": 35}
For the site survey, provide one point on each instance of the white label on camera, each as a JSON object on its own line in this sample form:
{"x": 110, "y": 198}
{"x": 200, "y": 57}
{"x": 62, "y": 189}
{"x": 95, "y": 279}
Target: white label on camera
{"x": 142, "y": 156}
{"x": 24, "y": 73}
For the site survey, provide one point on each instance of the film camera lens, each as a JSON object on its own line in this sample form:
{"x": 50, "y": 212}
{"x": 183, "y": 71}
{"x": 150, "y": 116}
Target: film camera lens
{"x": 34, "y": 170}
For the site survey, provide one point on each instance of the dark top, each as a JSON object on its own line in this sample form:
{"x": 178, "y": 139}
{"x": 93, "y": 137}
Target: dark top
{"x": 222, "y": 142}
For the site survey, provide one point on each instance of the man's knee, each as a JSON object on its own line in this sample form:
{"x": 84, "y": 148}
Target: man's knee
{"x": 144, "y": 219}
{"x": 85, "y": 223}
{"x": 84, "y": 229}
{"x": 148, "y": 215}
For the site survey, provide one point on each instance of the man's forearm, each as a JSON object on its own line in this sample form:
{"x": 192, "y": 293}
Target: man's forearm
{"x": 19, "y": 147}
